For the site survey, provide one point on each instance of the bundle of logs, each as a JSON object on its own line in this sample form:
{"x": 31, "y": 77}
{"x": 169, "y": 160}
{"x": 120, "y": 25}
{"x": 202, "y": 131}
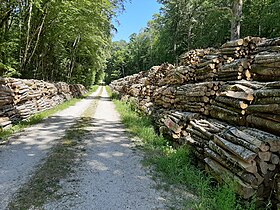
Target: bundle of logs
{"x": 225, "y": 103}
{"x": 20, "y": 98}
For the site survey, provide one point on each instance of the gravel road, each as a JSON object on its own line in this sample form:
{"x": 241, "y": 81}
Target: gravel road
{"x": 110, "y": 174}
{"x": 26, "y": 149}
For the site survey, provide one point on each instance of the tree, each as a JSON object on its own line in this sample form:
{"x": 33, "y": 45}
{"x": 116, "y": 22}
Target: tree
{"x": 56, "y": 40}
{"x": 236, "y": 19}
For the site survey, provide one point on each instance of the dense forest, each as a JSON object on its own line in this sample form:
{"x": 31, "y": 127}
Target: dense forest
{"x": 71, "y": 41}
{"x": 187, "y": 24}
{"x": 56, "y": 40}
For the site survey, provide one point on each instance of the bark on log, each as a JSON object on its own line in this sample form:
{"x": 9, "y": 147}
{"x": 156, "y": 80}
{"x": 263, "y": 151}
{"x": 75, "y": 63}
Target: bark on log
{"x": 249, "y": 167}
{"x": 244, "y": 189}
{"x": 239, "y": 151}
{"x": 250, "y": 139}
{"x": 262, "y": 123}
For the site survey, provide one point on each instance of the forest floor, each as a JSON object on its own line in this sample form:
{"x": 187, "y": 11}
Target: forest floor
{"x": 80, "y": 158}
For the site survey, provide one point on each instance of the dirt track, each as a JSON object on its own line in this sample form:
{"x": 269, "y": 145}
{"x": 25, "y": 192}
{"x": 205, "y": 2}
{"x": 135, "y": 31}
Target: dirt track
{"x": 109, "y": 176}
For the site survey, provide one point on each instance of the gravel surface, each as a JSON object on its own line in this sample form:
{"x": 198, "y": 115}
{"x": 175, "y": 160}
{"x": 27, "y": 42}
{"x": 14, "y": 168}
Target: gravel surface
{"x": 110, "y": 175}
{"x": 26, "y": 149}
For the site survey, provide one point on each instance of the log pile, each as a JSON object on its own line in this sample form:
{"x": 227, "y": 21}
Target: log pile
{"x": 21, "y": 98}
{"x": 77, "y": 90}
{"x": 225, "y": 103}
{"x": 247, "y": 155}
{"x": 189, "y": 97}
{"x": 266, "y": 62}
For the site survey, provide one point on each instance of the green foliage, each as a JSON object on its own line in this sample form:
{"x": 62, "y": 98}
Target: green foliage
{"x": 185, "y": 25}
{"x": 56, "y": 40}
{"x": 112, "y": 95}
{"x": 176, "y": 166}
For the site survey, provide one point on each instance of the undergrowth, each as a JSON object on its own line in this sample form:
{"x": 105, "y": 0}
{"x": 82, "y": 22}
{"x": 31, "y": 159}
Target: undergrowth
{"x": 175, "y": 165}
{"x": 39, "y": 117}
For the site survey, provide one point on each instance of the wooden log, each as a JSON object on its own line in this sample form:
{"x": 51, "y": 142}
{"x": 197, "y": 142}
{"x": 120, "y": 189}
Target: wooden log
{"x": 185, "y": 116}
{"x": 4, "y": 122}
{"x": 226, "y": 115}
{"x": 267, "y": 93}
{"x": 240, "y": 151}
{"x": 203, "y": 99}
{"x": 274, "y": 159}
{"x": 219, "y": 171}
{"x": 269, "y": 42}
{"x": 239, "y": 92}
{"x": 271, "y": 167}
{"x": 268, "y": 116}
{"x": 190, "y": 141}
{"x": 263, "y": 166}
{"x": 194, "y": 132}
{"x": 245, "y": 176}
{"x": 236, "y": 103}
{"x": 252, "y": 140}
{"x": 266, "y": 100}
{"x": 267, "y": 57}
{"x": 172, "y": 126}
{"x": 193, "y": 107}
{"x": 250, "y": 167}
{"x": 201, "y": 129}
{"x": 228, "y": 136}
{"x": 278, "y": 188}
{"x": 262, "y": 123}
{"x": 272, "y": 140}
{"x": 238, "y": 42}
{"x": 228, "y": 107}
{"x": 265, "y": 156}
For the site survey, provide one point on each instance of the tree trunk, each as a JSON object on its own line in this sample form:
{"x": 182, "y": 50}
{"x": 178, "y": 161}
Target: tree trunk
{"x": 236, "y": 19}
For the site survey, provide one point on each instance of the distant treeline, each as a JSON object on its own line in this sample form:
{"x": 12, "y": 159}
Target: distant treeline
{"x": 183, "y": 25}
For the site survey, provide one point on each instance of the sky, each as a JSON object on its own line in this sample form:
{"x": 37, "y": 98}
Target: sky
{"x": 135, "y": 17}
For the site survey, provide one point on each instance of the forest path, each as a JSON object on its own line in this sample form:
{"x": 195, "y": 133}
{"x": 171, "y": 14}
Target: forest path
{"x": 28, "y": 148}
{"x": 109, "y": 173}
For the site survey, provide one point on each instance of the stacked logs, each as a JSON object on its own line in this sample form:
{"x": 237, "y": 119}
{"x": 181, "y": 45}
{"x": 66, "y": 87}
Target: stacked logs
{"x": 189, "y": 97}
{"x": 264, "y": 112}
{"x": 202, "y": 64}
{"x": 222, "y": 102}
{"x": 20, "y": 98}
{"x": 247, "y": 155}
{"x": 249, "y": 103}
{"x": 266, "y": 66}
{"x": 77, "y": 90}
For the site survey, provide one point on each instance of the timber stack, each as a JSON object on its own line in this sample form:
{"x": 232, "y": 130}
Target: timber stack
{"x": 21, "y": 98}
{"x": 225, "y": 103}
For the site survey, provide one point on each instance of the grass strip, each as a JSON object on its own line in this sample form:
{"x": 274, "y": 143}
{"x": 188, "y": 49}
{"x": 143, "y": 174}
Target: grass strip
{"x": 175, "y": 165}
{"x": 45, "y": 182}
{"x": 39, "y": 117}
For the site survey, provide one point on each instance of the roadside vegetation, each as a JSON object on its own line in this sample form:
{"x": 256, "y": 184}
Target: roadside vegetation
{"x": 175, "y": 165}
{"x": 39, "y": 117}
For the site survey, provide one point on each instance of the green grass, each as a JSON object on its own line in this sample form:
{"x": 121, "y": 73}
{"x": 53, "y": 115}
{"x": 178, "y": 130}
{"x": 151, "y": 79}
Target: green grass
{"x": 113, "y": 95}
{"x": 37, "y": 118}
{"x": 175, "y": 166}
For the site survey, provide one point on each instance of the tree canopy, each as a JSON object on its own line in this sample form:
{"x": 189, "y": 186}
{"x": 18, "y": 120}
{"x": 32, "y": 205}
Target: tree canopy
{"x": 66, "y": 40}
{"x": 56, "y": 40}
